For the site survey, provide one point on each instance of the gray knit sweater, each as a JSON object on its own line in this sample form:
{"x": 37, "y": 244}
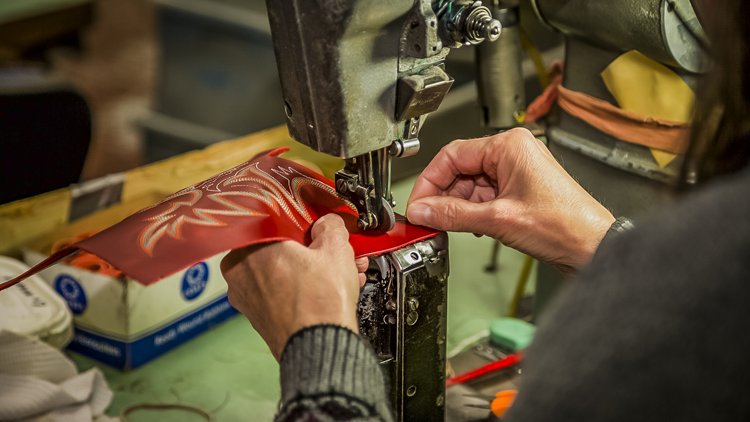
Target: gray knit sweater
{"x": 657, "y": 328}
{"x": 329, "y": 373}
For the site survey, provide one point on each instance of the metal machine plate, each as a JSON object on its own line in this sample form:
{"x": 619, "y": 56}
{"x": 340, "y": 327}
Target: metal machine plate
{"x": 403, "y": 314}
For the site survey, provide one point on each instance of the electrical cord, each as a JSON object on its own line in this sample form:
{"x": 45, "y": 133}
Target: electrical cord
{"x": 164, "y": 406}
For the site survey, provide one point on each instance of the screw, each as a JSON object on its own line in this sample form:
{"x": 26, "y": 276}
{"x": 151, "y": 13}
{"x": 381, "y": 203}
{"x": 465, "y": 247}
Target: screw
{"x": 287, "y": 109}
{"x": 412, "y": 318}
{"x": 440, "y": 400}
{"x": 411, "y": 391}
{"x": 519, "y": 116}
{"x": 414, "y": 129}
{"x": 396, "y": 149}
{"x": 414, "y": 256}
{"x": 413, "y": 304}
{"x": 390, "y": 305}
{"x": 341, "y": 186}
{"x": 389, "y": 319}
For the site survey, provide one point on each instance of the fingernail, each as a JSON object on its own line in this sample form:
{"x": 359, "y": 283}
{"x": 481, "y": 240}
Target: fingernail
{"x": 419, "y": 214}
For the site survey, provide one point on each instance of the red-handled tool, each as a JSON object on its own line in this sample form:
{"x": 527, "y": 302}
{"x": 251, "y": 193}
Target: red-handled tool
{"x": 484, "y": 370}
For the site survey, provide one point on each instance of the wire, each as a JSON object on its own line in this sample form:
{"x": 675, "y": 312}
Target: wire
{"x": 164, "y": 406}
{"x": 536, "y": 58}
{"x": 465, "y": 343}
{"x": 222, "y": 405}
{"x": 523, "y": 278}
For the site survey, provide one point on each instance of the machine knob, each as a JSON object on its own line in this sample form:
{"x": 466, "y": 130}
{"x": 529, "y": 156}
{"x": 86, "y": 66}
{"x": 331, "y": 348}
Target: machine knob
{"x": 481, "y": 26}
{"x": 491, "y": 28}
{"x": 467, "y": 22}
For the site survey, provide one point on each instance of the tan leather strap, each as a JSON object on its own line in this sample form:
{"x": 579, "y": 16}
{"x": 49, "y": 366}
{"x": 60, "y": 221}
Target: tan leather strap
{"x": 632, "y": 127}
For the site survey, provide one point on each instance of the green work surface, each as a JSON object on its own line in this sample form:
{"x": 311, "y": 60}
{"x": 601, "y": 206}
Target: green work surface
{"x": 11, "y": 10}
{"x": 229, "y": 371}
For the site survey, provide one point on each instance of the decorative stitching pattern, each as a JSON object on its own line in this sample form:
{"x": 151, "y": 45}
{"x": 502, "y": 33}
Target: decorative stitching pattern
{"x": 258, "y": 184}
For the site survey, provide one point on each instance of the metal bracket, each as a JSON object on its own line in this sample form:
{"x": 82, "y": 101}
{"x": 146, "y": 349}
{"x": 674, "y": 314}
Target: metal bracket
{"x": 366, "y": 182}
{"x": 420, "y": 38}
{"x": 421, "y": 94}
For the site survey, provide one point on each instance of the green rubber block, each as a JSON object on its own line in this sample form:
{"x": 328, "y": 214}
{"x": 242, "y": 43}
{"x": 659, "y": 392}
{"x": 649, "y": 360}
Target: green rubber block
{"x": 511, "y": 333}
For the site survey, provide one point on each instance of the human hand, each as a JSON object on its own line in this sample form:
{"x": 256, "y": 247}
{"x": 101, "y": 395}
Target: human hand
{"x": 283, "y": 287}
{"x": 510, "y": 187}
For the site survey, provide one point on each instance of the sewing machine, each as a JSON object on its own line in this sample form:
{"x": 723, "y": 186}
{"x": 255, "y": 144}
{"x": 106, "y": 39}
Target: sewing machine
{"x": 359, "y": 78}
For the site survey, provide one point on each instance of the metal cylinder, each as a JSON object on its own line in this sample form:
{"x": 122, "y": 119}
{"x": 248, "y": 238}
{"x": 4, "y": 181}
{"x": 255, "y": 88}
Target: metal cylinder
{"x": 500, "y": 76}
{"x": 653, "y": 27}
{"x": 404, "y": 148}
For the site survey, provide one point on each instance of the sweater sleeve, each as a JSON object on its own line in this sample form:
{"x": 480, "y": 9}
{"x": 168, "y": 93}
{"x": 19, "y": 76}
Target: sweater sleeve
{"x": 329, "y": 373}
{"x": 655, "y": 329}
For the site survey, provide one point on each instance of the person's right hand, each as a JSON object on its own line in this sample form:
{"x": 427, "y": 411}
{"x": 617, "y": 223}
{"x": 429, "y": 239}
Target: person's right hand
{"x": 510, "y": 187}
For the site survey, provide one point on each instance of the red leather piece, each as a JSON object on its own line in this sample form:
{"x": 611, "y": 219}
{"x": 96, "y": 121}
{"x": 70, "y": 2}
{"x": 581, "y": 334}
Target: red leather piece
{"x": 263, "y": 200}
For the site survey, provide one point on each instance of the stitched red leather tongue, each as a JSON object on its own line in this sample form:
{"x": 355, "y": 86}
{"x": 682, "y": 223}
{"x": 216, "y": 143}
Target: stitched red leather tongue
{"x": 266, "y": 199}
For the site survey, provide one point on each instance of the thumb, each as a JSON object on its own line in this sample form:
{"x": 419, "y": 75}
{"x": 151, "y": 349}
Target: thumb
{"x": 449, "y": 213}
{"x": 329, "y": 232}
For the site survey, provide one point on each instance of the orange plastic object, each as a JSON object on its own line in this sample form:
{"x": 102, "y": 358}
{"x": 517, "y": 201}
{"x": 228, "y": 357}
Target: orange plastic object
{"x": 503, "y": 402}
{"x": 85, "y": 260}
{"x": 95, "y": 264}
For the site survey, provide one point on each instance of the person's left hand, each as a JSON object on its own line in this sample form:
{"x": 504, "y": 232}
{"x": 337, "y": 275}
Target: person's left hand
{"x": 284, "y": 287}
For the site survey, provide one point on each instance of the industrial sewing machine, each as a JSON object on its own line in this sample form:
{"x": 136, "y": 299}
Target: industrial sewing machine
{"x": 359, "y": 78}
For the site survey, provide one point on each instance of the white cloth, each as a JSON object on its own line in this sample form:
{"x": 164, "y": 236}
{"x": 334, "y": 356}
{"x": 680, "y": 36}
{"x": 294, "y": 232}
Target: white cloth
{"x": 39, "y": 383}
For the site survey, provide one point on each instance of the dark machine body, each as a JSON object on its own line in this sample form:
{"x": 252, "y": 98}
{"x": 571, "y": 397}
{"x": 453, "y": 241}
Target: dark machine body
{"x": 360, "y": 77}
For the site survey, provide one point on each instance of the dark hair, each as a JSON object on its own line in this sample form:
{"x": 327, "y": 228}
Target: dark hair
{"x": 720, "y": 140}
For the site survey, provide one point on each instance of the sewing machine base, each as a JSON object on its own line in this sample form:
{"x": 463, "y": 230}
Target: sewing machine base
{"x": 403, "y": 313}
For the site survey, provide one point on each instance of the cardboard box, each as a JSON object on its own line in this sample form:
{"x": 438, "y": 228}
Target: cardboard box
{"x": 120, "y": 322}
